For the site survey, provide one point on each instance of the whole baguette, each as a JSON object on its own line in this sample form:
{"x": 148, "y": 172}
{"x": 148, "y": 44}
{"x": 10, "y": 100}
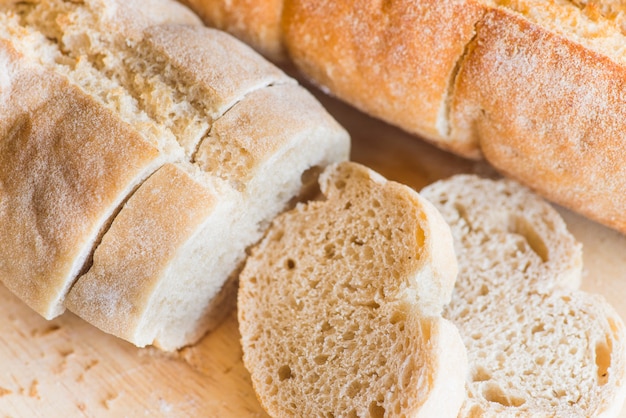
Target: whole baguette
{"x": 534, "y": 87}
{"x": 142, "y": 154}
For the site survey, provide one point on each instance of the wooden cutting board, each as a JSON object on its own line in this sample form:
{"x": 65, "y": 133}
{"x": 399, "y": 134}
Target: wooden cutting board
{"x": 66, "y": 368}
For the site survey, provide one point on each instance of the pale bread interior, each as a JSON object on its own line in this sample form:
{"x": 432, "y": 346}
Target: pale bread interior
{"x": 536, "y": 345}
{"x": 339, "y": 306}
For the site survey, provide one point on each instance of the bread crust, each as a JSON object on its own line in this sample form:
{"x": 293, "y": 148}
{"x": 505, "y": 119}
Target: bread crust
{"x": 257, "y": 23}
{"x": 134, "y": 257}
{"x": 224, "y": 68}
{"x": 68, "y": 163}
{"x": 548, "y": 112}
{"x": 372, "y": 56}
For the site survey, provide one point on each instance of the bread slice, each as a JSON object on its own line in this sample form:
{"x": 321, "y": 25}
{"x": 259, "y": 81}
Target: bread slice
{"x": 105, "y": 103}
{"x": 536, "y": 345}
{"x": 292, "y": 133}
{"x": 212, "y": 69}
{"x": 163, "y": 260}
{"x": 339, "y": 305}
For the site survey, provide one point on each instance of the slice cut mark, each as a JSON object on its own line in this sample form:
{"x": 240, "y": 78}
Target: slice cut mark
{"x": 63, "y": 183}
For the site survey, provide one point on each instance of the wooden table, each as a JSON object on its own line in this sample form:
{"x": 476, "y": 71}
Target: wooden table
{"x": 66, "y": 368}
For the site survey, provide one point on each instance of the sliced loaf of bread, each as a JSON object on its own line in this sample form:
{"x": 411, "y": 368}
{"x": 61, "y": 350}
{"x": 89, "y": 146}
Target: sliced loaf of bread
{"x": 142, "y": 154}
{"x": 340, "y": 305}
{"x": 536, "y": 345}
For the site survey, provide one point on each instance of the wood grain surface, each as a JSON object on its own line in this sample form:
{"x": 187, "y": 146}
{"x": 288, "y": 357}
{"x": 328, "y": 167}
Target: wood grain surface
{"x": 66, "y": 368}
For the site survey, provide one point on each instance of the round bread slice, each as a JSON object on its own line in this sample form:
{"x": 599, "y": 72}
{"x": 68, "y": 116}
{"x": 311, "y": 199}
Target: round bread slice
{"x": 340, "y": 305}
{"x": 536, "y": 345}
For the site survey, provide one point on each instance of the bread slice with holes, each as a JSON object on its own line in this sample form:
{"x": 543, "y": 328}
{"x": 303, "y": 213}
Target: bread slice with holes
{"x": 340, "y": 305}
{"x": 536, "y": 345}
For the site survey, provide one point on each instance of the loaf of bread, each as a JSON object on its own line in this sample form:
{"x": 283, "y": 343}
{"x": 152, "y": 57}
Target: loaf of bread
{"x": 536, "y": 345}
{"x": 142, "y": 153}
{"x": 340, "y": 305}
{"x": 535, "y": 87}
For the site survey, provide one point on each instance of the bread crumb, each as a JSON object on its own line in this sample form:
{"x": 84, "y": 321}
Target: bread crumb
{"x": 33, "y": 392}
{"x": 165, "y": 406}
{"x": 49, "y": 330}
{"x": 66, "y": 352}
{"x": 154, "y": 352}
{"x": 106, "y": 402}
{"x": 91, "y": 364}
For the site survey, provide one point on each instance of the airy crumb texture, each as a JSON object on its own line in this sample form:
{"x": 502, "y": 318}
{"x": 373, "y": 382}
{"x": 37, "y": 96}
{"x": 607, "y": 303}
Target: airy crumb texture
{"x": 536, "y": 345}
{"x": 339, "y": 306}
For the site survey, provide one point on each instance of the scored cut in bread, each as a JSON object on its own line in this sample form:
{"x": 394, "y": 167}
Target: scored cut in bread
{"x": 174, "y": 304}
{"x": 340, "y": 305}
{"x": 536, "y": 345}
{"x": 114, "y": 114}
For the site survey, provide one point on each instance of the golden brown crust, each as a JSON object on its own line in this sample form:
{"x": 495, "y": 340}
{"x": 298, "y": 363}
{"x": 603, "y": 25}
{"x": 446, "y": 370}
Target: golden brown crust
{"x": 68, "y": 163}
{"x": 548, "y": 112}
{"x": 372, "y": 56}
